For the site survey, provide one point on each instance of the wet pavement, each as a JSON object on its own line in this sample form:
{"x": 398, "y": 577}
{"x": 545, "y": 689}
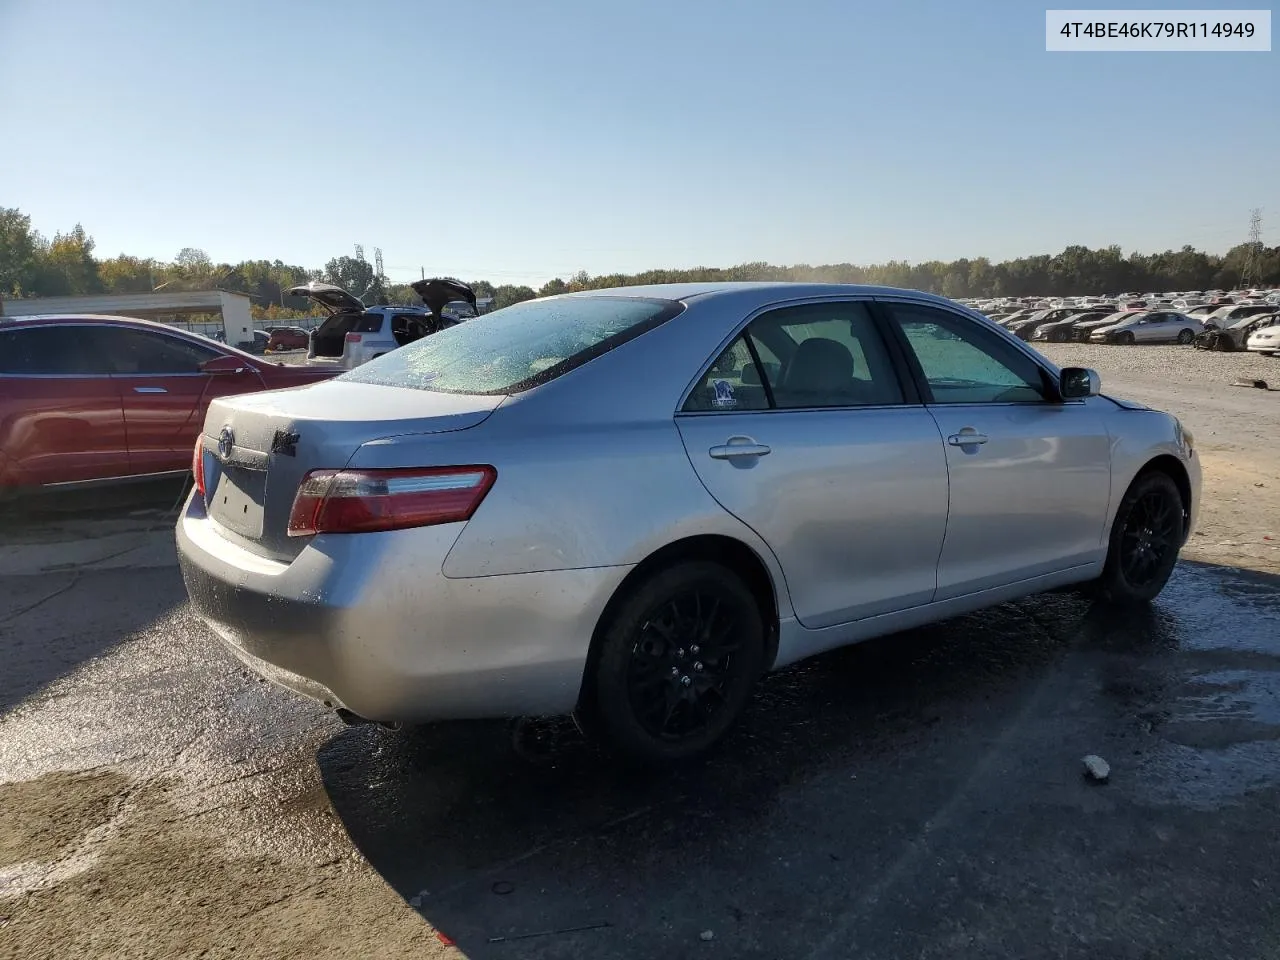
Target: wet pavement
{"x": 917, "y": 796}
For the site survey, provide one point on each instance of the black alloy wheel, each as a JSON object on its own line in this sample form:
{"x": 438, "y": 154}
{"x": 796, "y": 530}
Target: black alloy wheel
{"x": 1146, "y": 536}
{"x": 1151, "y": 533}
{"x": 678, "y": 662}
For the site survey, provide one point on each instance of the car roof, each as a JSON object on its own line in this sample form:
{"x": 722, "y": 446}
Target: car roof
{"x": 765, "y": 291}
{"x": 57, "y": 318}
{"x": 67, "y": 319}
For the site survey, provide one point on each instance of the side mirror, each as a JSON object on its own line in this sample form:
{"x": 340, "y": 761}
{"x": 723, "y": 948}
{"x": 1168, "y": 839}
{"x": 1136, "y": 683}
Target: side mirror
{"x": 224, "y": 366}
{"x": 1075, "y": 383}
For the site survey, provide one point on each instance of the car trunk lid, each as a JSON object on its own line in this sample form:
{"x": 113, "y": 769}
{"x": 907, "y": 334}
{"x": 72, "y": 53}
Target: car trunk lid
{"x": 258, "y": 447}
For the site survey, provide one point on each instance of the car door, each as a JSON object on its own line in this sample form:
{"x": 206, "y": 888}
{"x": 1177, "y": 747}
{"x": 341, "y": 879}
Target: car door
{"x": 165, "y": 393}
{"x": 1154, "y": 328}
{"x": 60, "y": 412}
{"x": 803, "y": 429}
{"x": 1030, "y": 476}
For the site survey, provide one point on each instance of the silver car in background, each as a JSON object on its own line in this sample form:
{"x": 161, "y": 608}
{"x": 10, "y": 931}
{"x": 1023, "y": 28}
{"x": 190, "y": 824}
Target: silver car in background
{"x": 629, "y": 504}
{"x": 1149, "y": 326}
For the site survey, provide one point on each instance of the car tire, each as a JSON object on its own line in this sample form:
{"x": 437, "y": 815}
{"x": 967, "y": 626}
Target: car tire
{"x": 679, "y": 657}
{"x": 1146, "y": 536}
{"x": 1124, "y": 338}
{"x": 1185, "y": 336}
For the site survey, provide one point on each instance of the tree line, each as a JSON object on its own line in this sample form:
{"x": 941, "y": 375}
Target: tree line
{"x": 32, "y": 265}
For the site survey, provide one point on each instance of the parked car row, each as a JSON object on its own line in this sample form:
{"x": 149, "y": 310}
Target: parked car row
{"x": 1226, "y": 323}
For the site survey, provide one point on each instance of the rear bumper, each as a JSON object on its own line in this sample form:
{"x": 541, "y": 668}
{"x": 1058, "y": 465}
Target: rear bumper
{"x": 369, "y": 623}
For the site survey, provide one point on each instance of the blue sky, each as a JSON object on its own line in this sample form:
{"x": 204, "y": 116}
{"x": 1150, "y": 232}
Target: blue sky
{"x": 516, "y": 141}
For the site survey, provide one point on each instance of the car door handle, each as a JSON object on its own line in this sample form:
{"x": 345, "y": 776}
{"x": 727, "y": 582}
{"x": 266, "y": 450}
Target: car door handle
{"x": 736, "y": 447}
{"x": 967, "y": 439}
{"x": 150, "y": 390}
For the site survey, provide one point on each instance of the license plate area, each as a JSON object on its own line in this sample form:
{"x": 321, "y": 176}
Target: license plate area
{"x": 237, "y": 500}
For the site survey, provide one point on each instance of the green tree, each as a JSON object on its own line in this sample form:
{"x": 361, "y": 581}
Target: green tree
{"x": 17, "y": 253}
{"x": 506, "y": 294}
{"x": 66, "y": 266}
{"x": 126, "y": 274}
{"x": 356, "y": 276}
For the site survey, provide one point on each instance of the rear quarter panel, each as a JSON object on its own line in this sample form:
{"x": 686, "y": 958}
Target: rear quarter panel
{"x": 572, "y": 498}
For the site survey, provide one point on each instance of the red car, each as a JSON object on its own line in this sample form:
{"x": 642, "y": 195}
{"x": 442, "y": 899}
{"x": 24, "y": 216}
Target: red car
{"x": 289, "y": 338}
{"x": 92, "y": 398}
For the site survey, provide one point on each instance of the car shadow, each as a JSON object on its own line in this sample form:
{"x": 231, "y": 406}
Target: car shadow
{"x": 497, "y": 830}
{"x": 73, "y": 594}
{"x": 524, "y": 840}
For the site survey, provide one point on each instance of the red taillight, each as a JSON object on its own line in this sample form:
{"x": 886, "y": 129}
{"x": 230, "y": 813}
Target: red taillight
{"x": 353, "y": 338}
{"x": 197, "y": 466}
{"x": 359, "y": 501}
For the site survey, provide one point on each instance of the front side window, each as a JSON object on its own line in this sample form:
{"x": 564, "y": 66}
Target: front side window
{"x": 142, "y": 352}
{"x": 518, "y": 347}
{"x": 963, "y": 363}
{"x": 63, "y": 350}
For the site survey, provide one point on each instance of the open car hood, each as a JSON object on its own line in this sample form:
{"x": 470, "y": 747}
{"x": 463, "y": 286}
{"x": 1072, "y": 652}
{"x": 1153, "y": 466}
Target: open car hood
{"x": 439, "y": 291}
{"x": 334, "y": 299}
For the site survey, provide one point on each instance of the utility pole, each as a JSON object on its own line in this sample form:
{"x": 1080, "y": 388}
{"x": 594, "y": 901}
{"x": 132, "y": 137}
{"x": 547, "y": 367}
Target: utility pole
{"x": 377, "y": 261}
{"x": 424, "y": 272}
{"x": 1253, "y": 261}
{"x": 360, "y": 252}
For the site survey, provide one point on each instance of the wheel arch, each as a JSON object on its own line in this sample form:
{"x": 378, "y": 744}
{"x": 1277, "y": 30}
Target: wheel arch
{"x": 1169, "y": 464}
{"x": 716, "y": 548}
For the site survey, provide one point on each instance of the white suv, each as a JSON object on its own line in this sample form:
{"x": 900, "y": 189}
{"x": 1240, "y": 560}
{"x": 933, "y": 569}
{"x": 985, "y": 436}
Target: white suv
{"x": 354, "y": 334}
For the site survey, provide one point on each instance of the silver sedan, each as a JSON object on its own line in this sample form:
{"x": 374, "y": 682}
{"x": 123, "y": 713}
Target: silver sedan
{"x": 629, "y": 504}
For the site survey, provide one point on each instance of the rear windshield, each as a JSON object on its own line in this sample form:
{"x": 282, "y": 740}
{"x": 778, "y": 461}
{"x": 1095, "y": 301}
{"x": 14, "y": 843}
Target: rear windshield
{"x": 516, "y": 348}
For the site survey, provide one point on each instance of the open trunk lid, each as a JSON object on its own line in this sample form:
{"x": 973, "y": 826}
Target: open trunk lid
{"x": 439, "y": 292}
{"x": 331, "y": 298}
{"x": 258, "y": 447}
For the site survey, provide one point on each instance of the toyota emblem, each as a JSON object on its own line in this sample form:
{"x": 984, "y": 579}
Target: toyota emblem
{"x": 226, "y": 442}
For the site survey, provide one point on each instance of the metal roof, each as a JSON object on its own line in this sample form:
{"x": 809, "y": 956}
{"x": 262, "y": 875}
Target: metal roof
{"x": 189, "y": 301}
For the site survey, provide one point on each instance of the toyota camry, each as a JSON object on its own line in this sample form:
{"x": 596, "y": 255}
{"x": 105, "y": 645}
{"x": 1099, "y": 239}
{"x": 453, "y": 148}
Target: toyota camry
{"x": 630, "y": 504}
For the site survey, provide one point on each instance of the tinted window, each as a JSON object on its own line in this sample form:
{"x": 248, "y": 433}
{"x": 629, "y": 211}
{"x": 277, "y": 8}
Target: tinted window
{"x": 964, "y": 363}
{"x": 518, "y": 347}
{"x": 732, "y": 383}
{"x": 142, "y": 352}
{"x": 830, "y": 354}
{"x": 64, "y": 349}
{"x": 816, "y": 355}
{"x": 368, "y": 323}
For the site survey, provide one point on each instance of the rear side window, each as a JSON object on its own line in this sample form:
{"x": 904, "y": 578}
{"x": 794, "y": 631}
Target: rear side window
{"x": 811, "y": 356}
{"x": 517, "y": 348}
{"x": 64, "y": 350}
{"x": 368, "y": 323}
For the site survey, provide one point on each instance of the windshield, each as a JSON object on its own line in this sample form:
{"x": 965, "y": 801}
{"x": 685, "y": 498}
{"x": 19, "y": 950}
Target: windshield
{"x": 517, "y": 348}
